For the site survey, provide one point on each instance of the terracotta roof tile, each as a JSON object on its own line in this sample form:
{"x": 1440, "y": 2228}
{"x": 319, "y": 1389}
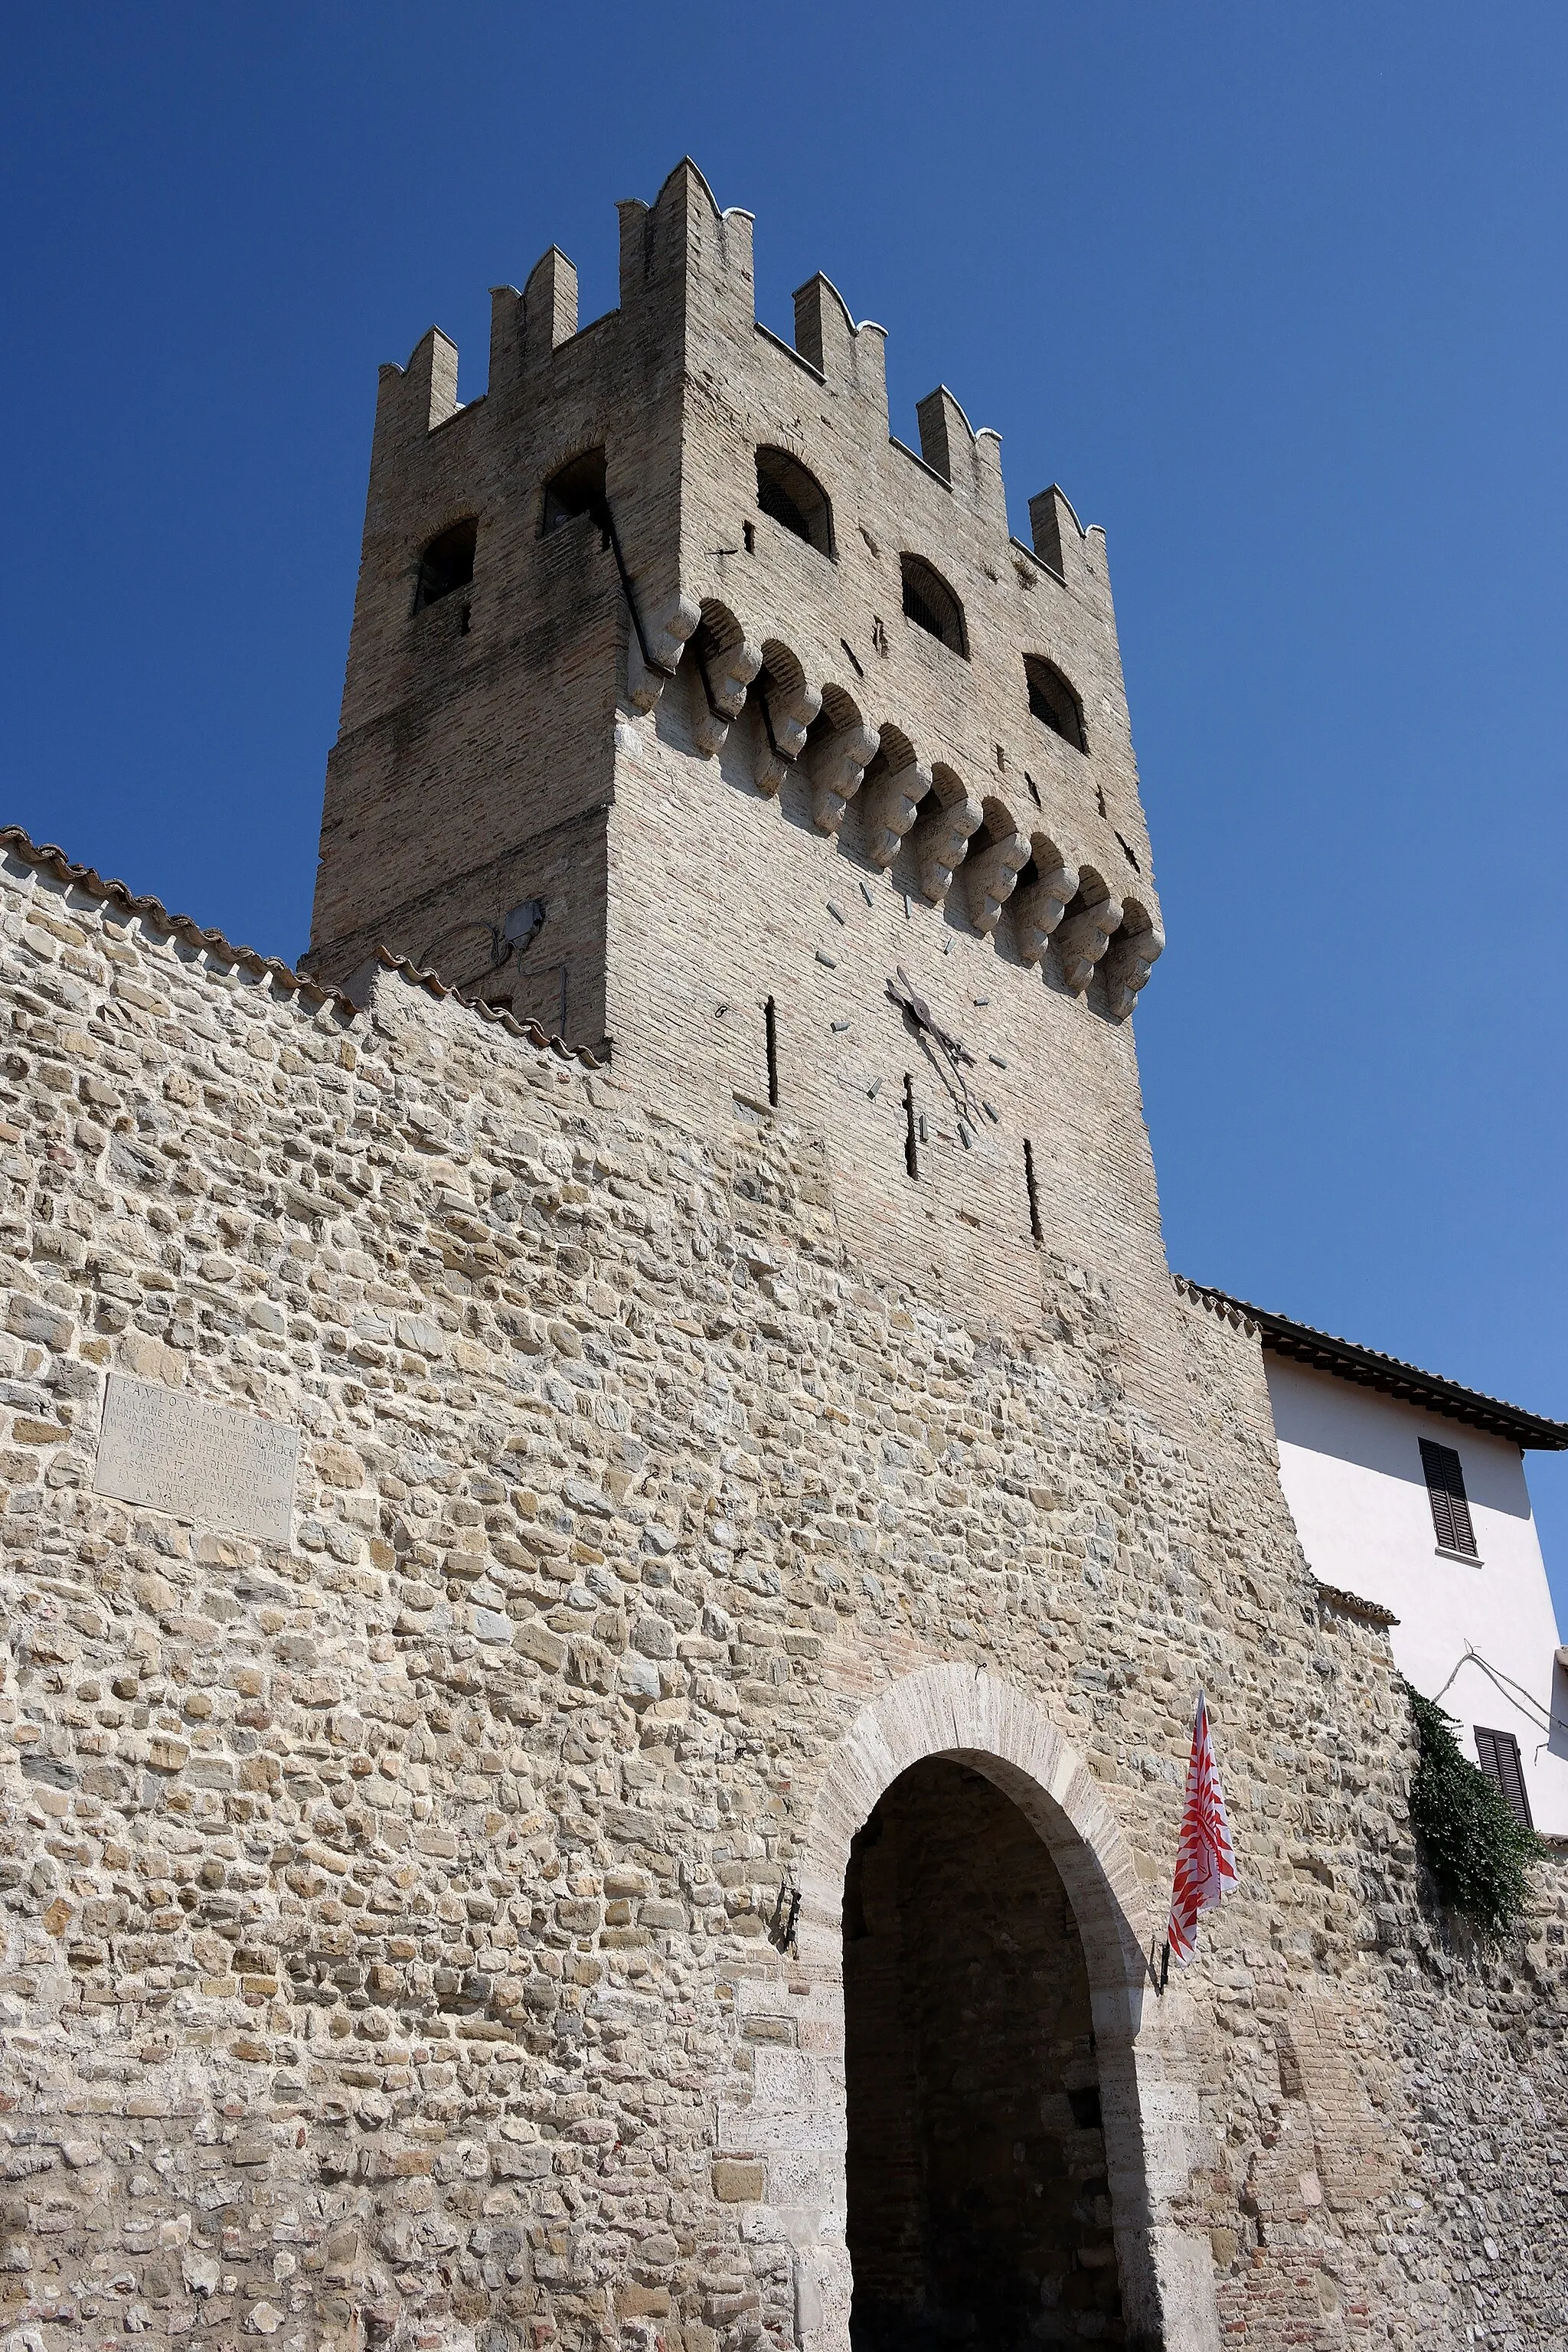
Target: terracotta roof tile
{"x": 1368, "y": 1368}
{"x": 47, "y": 858}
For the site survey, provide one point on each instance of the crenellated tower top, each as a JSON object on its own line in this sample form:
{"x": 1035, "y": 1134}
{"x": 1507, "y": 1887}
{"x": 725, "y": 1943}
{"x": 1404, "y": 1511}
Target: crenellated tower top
{"x": 690, "y": 710}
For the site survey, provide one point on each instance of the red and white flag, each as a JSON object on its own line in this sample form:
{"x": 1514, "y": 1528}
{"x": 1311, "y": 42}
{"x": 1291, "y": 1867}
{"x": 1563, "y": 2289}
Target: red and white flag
{"x": 1205, "y": 1859}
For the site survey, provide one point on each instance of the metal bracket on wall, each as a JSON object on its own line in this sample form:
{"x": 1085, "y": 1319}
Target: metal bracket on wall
{"x": 613, "y": 535}
{"x": 786, "y": 1911}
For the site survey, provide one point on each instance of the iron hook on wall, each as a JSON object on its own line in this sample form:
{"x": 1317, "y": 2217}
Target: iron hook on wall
{"x": 786, "y": 1911}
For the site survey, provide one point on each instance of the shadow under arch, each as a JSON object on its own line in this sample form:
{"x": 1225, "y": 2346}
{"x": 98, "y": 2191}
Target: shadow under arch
{"x": 1150, "y": 2114}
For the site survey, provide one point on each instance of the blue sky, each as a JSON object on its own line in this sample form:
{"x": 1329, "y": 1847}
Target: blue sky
{"x": 1276, "y": 294}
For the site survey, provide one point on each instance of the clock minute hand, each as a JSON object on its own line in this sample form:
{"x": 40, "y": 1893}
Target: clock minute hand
{"x": 954, "y": 1048}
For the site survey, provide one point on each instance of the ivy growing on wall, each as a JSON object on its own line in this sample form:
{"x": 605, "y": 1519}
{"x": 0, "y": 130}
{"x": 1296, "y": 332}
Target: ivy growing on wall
{"x": 1476, "y": 1851}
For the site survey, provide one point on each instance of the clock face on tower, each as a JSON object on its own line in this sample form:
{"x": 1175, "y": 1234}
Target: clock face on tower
{"x": 952, "y": 1054}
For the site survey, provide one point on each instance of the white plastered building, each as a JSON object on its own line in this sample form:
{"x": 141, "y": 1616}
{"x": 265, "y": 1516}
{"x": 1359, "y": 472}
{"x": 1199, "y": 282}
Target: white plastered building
{"x": 1409, "y": 1495}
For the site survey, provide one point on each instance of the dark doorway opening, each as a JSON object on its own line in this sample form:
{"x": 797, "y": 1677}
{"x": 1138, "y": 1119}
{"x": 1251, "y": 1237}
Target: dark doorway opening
{"x": 978, "y": 2202}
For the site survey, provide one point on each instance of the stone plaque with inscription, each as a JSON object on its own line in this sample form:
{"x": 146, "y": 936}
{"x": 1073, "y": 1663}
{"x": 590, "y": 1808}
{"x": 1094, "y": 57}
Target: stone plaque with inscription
{"x": 197, "y": 1461}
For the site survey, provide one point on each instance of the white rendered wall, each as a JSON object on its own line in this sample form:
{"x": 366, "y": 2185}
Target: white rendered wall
{"x": 1350, "y": 1461}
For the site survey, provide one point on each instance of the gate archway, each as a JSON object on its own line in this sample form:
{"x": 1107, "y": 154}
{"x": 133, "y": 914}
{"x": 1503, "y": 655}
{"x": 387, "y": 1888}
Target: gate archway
{"x": 796, "y": 2121}
{"x": 978, "y": 2199}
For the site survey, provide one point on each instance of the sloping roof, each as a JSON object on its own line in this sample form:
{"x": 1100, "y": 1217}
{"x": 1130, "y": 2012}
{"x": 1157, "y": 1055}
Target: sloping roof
{"x": 1371, "y": 1611}
{"x": 45, "y": 858}
{"x": 1368, "y": 1368}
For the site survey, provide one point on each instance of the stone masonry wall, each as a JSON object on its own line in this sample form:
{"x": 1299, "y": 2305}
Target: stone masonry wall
{"x": 385, "y": 1908}
{"x": 771, "y": 909}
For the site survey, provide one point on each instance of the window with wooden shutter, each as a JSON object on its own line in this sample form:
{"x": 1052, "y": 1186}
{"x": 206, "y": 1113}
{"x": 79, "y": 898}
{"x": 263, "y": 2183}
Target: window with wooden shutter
{"x": 1498, "y": 1752}
{"x": 1446, "y": 1493}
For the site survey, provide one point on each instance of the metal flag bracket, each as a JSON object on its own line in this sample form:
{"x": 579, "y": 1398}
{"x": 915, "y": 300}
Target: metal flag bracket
{"x": 786, "y": 1911}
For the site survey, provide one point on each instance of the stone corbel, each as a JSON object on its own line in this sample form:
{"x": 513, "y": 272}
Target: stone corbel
{"x": 709, "y": 733}
{"x": 991, "y": 875}
{"x": 665, "y": 633}
{"x": 644, "y": 686}
{"x": 791, "y": 709}
{"x": 730, "y": 672}
{"x": 837, "y": 767}
{"x": 1037, "y": 910}
{"x": 1083, "y": 939}
{"x": 945, "y": 844}
{"x": 889, "y": 809}
{"x": 667, "y": 627}
{"x": 728, "y": 675}
{"x": 1128, "y": 964}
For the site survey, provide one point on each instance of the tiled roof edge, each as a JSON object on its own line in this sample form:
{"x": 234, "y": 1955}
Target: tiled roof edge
{"x": 1369, "y": 1368}
{"x": 1215, "y": 1302}
{"x": 1354, "y": 1606}
{"x": 531, "y": 1030}
{"x": 49, "y": 858}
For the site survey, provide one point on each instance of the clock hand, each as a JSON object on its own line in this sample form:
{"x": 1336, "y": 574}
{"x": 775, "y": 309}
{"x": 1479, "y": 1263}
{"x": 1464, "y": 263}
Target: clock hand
{"x": 953, "y": 1047}
{"x": 956, "y": 1052}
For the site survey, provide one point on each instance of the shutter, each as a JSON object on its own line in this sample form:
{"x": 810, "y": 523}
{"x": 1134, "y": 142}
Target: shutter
{"x": 1502, "y": 1763}
{"x": 1446, "y": 1493}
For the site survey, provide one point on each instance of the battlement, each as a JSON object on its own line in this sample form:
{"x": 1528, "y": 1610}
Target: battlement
{"x": 665, "y": 644}
{"x": 686, "y": 282}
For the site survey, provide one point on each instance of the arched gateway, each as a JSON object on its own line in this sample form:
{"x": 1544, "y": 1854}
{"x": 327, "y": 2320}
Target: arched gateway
{"x": 967, "y": 1724}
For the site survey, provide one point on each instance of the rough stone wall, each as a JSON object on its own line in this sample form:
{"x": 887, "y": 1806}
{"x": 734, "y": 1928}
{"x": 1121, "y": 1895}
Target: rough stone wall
{"x": 384, "y": 1910}
{"x": 1418, "y": 2120}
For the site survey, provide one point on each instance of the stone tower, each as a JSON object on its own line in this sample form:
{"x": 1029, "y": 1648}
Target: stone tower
{"x": 598, "y": 1638}
{"x": 690, "y": 709}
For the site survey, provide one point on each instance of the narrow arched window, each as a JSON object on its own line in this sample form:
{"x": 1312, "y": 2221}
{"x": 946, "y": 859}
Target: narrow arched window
{"x": 794, "y": 498}
{"x": 578, "y": 490}
{"x": 1054, "y": 702}
{"x": 932, "y": 605}
{"x": 447, "y": 564}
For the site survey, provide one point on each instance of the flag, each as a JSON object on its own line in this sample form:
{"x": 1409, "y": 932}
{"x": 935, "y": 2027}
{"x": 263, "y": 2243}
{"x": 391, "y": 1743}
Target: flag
{"x": 1205, "y": 1859}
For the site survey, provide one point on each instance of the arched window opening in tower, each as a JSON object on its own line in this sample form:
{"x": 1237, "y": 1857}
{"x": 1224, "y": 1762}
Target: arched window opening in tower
{"x": 578, "y": 490}
{"x": 932, "y": 605}
{"x": 795, "y": 497}
{"x": 447, "y": 564}
{"x": 1054, "y": 702}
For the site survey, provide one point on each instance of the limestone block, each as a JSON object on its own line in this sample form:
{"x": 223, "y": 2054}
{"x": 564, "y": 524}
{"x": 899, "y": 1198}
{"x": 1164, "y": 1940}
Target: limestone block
{"x": 730, "y": 672}
{"x": 791, "y": 710}
{"x": 736, "y": 2181}
{"x": 644, "y": 685}
{"x": 943, "y": 841}
{"x": 1129, "y": 961}
{"x": 668, "y": 626}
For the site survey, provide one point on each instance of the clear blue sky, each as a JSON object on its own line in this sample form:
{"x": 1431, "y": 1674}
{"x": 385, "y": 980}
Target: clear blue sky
{"x": 1276, "y": 293}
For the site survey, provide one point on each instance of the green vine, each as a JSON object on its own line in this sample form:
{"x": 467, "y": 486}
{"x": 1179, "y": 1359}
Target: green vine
{"x": 1476, "y": 1851}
